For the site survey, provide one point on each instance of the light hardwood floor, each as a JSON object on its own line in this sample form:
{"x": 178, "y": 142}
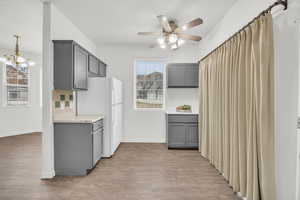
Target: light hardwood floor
{"x": 136, "y": 172}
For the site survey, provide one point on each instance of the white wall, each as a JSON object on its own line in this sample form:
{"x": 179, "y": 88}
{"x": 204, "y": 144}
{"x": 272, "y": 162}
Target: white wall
{"x": 141, "y": 126}
{"x": 242, "y": 12}
{"x": 287, "y": 64}
{"x": 56, "y": 26}
{"x": 63, "y": 29}
{"x": 182, "y": 96}
{"x": 286, "y": 89}
{"x": 17, "y": 120}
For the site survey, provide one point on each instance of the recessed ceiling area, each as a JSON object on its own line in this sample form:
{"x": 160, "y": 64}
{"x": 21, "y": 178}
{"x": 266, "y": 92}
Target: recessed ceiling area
{"x": 116, "y": 22}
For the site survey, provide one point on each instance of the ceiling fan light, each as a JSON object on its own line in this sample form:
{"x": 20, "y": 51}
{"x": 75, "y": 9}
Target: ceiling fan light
{"x": 163, "y": 46}
{"x": 161, "y": 40}
{"x": 174, "y": 46}
{"x": 172, "y": 38}
{"x": 180, "y": 42}
{"x": 164, "y": 18}
{"x": 184, "y": 27}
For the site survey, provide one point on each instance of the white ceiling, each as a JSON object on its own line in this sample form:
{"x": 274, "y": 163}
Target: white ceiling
{"x": 111, "y": 22}
{"x": 117, "y": 21}
{"x": 24, "y": 18}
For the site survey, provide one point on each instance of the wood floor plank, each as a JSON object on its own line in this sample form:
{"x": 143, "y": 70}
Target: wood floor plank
{"x": 138, "y": 171}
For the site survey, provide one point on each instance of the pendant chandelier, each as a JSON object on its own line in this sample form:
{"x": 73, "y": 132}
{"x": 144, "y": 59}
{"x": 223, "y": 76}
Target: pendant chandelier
{"x": 16, "y": 60}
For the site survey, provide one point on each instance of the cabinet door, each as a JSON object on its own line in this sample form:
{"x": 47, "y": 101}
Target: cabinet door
{"x": 192, "y": 138}
{"x": 80, "y": 68}
{"x": 93, "y": 66}
{"x": 176, "y": 135}
{"x": 101, "y": 143}
{"x": 175, "y": 76}
{"x": 97, "y": 145}
{"x": 191, "y": 75}
{"x": 102, "y": 69}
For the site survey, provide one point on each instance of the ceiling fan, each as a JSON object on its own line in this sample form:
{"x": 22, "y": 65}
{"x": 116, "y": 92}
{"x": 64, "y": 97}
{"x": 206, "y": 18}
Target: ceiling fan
{"x": 172, "y": 35}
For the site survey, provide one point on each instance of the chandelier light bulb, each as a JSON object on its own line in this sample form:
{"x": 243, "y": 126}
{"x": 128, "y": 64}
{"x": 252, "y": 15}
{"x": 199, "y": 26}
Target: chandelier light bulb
{"x": 31, "y": 63}
{"x": 20, "y": 59}
{"x": 24, "y": 65}
{"x": 3, "y": 59}
{"x": 16, "y": 60}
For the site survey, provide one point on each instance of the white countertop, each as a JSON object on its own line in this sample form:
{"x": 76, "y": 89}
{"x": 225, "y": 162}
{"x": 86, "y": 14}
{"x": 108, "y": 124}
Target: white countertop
{"x": 174, "y": 112}
{"x": 70, "y": 118}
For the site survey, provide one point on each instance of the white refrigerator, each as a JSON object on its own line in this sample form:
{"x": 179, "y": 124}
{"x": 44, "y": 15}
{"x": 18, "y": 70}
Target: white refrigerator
{"x": 104, "y": 96}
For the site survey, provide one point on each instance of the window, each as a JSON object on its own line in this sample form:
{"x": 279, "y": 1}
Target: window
{"x": 16, "y": 86}
{"x": 149, "y": 84}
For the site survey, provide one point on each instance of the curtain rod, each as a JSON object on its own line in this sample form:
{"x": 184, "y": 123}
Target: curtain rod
{"x": 269, "y": 9}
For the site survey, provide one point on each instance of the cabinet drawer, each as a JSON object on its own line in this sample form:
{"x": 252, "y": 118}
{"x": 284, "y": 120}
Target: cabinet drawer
{"x": 97, "y": 125}
{"x": 183, "y": 118}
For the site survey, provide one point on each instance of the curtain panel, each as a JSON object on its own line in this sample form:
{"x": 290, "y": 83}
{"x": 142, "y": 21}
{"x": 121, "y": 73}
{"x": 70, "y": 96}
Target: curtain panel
{"x": 237, "y": 110}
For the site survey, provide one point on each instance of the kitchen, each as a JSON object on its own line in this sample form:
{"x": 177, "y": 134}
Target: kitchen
{"x": 90, "y": 101}
{"x": 116, "y": 101}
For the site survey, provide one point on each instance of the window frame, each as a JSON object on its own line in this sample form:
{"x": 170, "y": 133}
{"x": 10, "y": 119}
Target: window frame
{"x": 164, "y": 62}
{"x": 5, "y": 92}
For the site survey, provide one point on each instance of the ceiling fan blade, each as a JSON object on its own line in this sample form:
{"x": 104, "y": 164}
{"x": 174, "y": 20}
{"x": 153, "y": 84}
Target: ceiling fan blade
{"x": 149, "y": 33}
{"x": 189, "y": 37}
{"x": 164, "y": 23}
{"x": 189, "y": 25}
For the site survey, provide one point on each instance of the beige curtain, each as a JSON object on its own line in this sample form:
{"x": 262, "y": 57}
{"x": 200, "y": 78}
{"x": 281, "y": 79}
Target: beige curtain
{"x": 237, "y": 110}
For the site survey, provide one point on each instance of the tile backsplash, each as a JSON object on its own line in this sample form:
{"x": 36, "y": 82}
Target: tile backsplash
{"x": 63, "y": 100}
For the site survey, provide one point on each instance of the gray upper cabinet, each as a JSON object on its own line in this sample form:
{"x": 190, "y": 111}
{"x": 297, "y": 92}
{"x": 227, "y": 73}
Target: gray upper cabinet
{"x": 97, "y": 68}
{"x": 70, "y": 66}
{"x": 183, "y": 75}
{"x": 102, "y": 69}
{"x": 81, "y": 59}
{"x": 93, "y": 65}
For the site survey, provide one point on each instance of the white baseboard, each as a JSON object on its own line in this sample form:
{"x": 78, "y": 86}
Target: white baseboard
{"x": 14, "y": 133}
{"x": 48, "y": 174}
{"x": 145, "y": 140}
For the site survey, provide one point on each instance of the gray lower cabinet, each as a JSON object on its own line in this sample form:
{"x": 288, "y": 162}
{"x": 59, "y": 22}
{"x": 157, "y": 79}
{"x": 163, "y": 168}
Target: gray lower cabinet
{"x": 77, "y": 147}
{"x": 182, "y": 131}
{"x": 70, "y": 65}
{"x": 183, "y": 75}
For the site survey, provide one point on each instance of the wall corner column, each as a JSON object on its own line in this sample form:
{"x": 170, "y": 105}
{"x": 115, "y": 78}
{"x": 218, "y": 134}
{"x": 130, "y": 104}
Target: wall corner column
{"x": 47, "y": 77}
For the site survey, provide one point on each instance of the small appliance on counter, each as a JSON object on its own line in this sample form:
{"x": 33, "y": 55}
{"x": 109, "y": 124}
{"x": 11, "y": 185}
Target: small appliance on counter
{"x": 184, "y": 108}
